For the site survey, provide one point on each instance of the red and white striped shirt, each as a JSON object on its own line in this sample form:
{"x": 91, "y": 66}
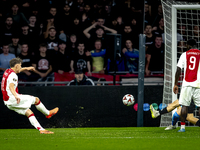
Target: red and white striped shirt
{"x": 190, "y": 62}
{"x": 9, "y": 76}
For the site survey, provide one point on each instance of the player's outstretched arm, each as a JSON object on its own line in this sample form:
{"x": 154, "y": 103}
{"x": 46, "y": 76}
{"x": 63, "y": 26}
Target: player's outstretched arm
{"x": 27, "y": 68}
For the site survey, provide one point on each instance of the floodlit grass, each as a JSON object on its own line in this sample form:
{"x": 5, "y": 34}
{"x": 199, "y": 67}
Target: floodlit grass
{"x": 100, "y": 139}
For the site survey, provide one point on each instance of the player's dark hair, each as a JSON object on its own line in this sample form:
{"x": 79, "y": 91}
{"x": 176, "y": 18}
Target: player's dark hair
{"x": 15, "y": 61}
{"x": 191, "y": 42}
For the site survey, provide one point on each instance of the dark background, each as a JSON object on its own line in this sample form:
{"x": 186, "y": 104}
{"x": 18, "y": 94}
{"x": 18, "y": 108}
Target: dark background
{"x": 86, "y": 106}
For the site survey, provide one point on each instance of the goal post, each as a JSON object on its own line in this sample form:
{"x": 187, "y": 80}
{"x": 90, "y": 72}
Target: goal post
{"x": 175, "y": 14}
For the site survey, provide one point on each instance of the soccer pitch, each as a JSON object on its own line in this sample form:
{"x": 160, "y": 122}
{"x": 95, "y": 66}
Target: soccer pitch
{"x": 100, "y": 139}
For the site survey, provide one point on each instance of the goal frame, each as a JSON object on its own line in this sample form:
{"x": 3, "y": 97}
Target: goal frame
{"x": 174, "y": 38}
{"x": 170, "y": 22}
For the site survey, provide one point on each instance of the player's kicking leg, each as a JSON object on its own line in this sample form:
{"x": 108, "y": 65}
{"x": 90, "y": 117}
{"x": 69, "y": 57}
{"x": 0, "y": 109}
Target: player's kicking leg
{"x": 45, "y": 111}
{"x": 35, "y": 123}
{"x": 48, "y": 113}
{"x": 156, "y": 113}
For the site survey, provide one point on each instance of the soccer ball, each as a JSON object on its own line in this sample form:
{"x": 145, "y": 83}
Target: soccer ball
{"x": 128, "y": 100}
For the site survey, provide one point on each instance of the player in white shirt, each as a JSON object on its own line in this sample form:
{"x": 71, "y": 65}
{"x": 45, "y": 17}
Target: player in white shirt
{"x": 189, "y": 61}
{"x": 21, "y": 103}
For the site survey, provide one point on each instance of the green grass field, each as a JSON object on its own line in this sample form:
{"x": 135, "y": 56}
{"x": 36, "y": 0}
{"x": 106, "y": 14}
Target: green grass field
{"x": 100, "y": 139}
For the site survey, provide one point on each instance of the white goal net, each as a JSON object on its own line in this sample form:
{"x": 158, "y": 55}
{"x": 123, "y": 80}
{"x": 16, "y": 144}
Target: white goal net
{"x": 181, "y": 22}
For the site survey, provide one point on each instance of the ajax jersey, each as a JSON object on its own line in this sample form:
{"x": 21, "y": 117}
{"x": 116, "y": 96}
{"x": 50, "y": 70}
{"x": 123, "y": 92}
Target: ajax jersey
{"x": 9, "y": 76}
{"x": 190, "y": 62}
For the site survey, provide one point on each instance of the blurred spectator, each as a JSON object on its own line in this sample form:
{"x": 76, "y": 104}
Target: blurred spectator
{"x": 155, "y": 56}
{"x": 25, "y": 36}
{"x": 15, "y": 47}
{"x": 8, "y": 30}
{"x": 5, "y": 57}
{"x": 98, "y": 61}
{"x": 52, "y": 41}
{"x": 107, "y": 13}
{"x": 181, "y": 48}
{"x": 147, "y": 10}
{"x": 159, "y": 30}
{"x": 116, "y": 26}
{"x": 72, "y": 44}
{"x": 196, "y": 33}
{"x": 17, "y": 16}
{"x": 25, "y": 7}
{"x": 80, "y": 60}
{"x": 77, "y": 28}
{"x": 61, "y": 62}
{"x": 99, "y": 32}
{"x": 80, "y": 79}
{"x": 42, "y": 64}
{"x": 34, "y": 29}
{"x": 66, "y": 19}
{"x": 48, "y": 24}
{"x": 182, "y": 32}
{"x": 157, "y": 17}
{"x": 129, "y": 34}
{"x": 131, "y": 57}
{"x": 149, "y": 35}
{"x": 26, "y": 58}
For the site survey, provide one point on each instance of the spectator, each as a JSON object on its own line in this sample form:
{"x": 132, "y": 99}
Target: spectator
{"x": 99, "y": 32}
{"x": 17, "y": 16}
{"x": 67, "y": 18}
{"x": 80, "y": 79}
{"x": 158, "y": 16}
{"x": 159, "y": 30}
{"x": 182, "y": 32}
{"x": 52, "y": 41}
{"x": 116, "y": 26}
{"x": 155, "y": 56}
{"x": 5, "y": 57}
{"x": 8, "y": 30}
{"x": 149, "y": 35}
{"x": 26, "y": 58}
{"x": 25, "y": 8}
{"x": 196, "y": 33}
{"x": 131, "y": 57}
{"x": 98, "y": 60}
{"x": 181, "y": 48}
{"x": 62, "y": 59}
{"x": 34, "y": 30}
{"x": 48, "y": 24}
{"x": 25, "y": 36}
{"x": 80, "y": 60}
{"x": 42, "y": 64}
{"x": 72, "y": 44}
{"x": 147, "y": 10}
{"x": 77, "y": 28}
{"x": 129, "y": 34}
{"x": 15, "y": 47}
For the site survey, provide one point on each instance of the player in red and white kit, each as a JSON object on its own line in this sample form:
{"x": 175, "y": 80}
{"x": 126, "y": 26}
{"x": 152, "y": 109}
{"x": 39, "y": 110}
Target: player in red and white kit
{"x": 21, "y": 103}
{"x": 189, "y": 61}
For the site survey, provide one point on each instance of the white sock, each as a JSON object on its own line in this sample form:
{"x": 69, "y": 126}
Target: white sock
{"x": 35, "y": 123}
{"x": 42, "y": 108}
{"x": 182, "y": 126}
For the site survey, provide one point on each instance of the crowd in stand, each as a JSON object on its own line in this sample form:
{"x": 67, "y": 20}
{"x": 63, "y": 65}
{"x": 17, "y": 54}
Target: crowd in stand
{"x": 65, "y": 35}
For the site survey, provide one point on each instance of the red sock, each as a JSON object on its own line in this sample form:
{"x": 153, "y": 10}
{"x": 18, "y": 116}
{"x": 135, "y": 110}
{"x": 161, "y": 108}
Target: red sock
{"x": 182, "y": 123}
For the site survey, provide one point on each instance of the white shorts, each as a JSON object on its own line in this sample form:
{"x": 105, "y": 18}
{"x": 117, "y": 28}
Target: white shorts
{"x": 25, "y": 103}
{"x": 189, "y": 93}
